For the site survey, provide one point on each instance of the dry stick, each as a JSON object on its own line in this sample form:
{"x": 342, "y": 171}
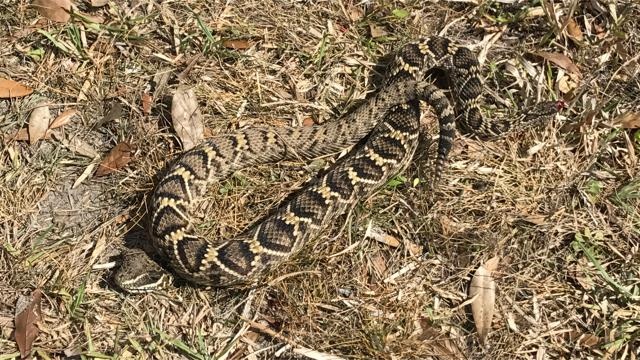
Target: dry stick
{"x": 268, "y": 331}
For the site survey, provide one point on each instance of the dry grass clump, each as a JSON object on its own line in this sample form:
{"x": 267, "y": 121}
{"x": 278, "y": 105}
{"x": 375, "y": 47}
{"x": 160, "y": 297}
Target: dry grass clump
{"x": 559, "y": 204}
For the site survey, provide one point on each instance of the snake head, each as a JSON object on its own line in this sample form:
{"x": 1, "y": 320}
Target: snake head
{"x": 139, "y": 274}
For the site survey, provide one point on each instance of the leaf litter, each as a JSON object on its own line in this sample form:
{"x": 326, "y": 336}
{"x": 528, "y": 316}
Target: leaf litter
{"x": 186, "y": 117}
{"x": 27, "y": 315}
{"x": 117, "y": 159}
{"x": 483, "y": 291}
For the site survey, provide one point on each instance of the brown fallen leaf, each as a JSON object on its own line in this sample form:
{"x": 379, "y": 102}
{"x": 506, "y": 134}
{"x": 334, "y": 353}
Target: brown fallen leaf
{"x": 117, "y": 158}
{"x": 589, "y": 340}
{"x": 63, "y": 118}
{"x": 12, "y": 89}
{"x": 583, "y": 339}
{"x": 573, "y": 29}
{"x": 377, "y": 31}
{"x": 307, "y": 121}
{"x": 566, "y": 84}
{"x": 414, "y": 249}
{"x": 629, "y": 120}
{"x": 236, "y": 44}
{"x": 28, "y": 313}
{"x": 39, "y": 121}
{"x": 483, "y": 289}
{"x": 18, "y": 135}
{"x": 147, "y": 100}
{"x": 54, "y": 10}
{"x": 186, "y": 117}
{"x": 355, "y": 13}
{"x": 440, "y": 344}
{"x": 561, "y": 60}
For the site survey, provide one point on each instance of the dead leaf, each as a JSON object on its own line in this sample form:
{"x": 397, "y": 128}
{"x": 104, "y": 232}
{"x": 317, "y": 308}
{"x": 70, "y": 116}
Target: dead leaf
{"x": 377, "y": 31}
{"x": 28, "y": 313}
{"x": 379, "y": 264}
{"x": 18, "y": 135}
{"x": 12, "y": 89}
{"x": 54, "y": 10}
{"x": 536, "y": 219}
{"x": 573, "y": 29}
{"x": 583, "y": 339}
{"x": 39, "y": 123}
{"x": 437, "y": 341}
{"x": 187, "y": 120}
{"x": 492, "y": 264}
{"x": 98, "y": 3}
{"x": 147, "y": 100}
{"x": 117, "y": 158}
{"x": 561, "y": 60}
{"x": 78, "y": 146}
{"x": 414, "y": 249}
{"x": 374, "y": 232}
{"x": 355, "y": 13}
{"x": 483, "y": 289}
{"x": 589, "y": 340}
{"x": 629, "y": 120}
{"x": 566, "y": 84}
{"x": 63, "y": 119}
{"x": 236, "y": 44}
{"x": 307, "y": 121}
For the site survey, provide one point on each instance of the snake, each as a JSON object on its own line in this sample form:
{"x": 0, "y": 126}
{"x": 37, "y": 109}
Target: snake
{"x": 382, "y": 134}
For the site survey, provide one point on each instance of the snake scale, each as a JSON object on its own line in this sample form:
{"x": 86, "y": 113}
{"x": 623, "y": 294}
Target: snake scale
{"x": 384, "y": 133}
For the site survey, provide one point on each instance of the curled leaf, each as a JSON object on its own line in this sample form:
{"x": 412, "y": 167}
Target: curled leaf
{"x": 63, "y": 119}
{"x": 573, "y": 29}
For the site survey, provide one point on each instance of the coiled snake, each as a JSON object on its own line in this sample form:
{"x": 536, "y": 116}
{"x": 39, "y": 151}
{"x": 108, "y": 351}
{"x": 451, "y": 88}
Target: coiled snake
{"x": 385, "y": 131}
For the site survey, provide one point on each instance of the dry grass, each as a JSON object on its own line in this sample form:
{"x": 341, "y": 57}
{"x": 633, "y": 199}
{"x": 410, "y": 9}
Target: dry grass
{"x": 559, "y": 204}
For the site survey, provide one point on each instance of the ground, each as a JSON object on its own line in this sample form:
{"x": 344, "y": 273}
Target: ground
{"x": 558, "y": 204}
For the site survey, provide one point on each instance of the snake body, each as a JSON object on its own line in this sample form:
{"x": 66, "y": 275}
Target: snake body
{"x": 384, "y": 133}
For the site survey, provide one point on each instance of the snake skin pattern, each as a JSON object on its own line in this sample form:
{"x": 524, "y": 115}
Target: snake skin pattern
{"x": 389, "y": 123}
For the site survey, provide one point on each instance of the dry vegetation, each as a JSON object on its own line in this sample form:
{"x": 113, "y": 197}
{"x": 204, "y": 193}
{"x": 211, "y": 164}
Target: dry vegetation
{"x": 558, "y": 204}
